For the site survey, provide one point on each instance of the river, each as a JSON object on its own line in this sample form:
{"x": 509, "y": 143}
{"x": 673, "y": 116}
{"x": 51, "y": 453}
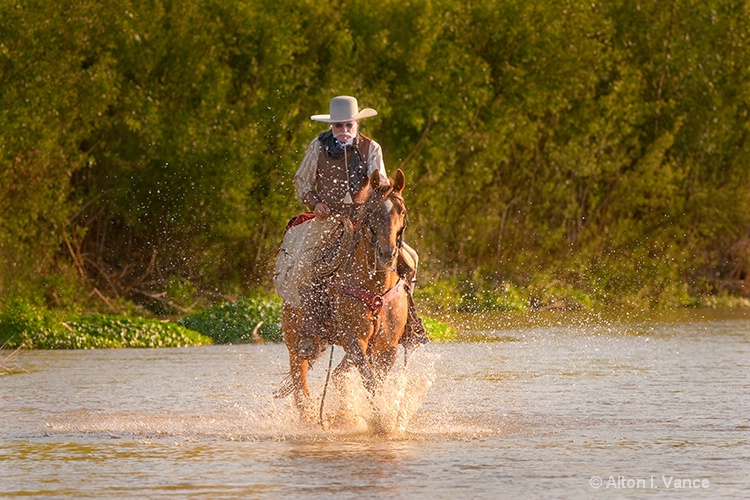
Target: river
{"x": 562, "y": 408}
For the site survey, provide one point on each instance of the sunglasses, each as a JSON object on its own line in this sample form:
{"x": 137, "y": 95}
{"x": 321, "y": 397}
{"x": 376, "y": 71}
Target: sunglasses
{"x": 349, "y": 125}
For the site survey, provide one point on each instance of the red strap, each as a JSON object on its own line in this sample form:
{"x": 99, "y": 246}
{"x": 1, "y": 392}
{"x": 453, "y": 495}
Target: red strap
{"x": 374, "y": 302}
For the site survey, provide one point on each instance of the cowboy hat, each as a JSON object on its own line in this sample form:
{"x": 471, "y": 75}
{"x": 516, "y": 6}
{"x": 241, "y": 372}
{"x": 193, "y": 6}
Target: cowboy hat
{"x": 344, "y": 108}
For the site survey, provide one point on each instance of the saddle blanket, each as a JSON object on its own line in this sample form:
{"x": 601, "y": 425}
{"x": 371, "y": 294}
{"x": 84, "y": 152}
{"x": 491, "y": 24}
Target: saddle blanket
{"x": 304, "y": 240}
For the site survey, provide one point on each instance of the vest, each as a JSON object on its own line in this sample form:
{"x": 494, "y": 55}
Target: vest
{"x": 332, "y": 176}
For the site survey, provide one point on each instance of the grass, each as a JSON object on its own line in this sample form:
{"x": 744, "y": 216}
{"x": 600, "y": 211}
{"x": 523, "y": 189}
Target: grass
{"x": 249, "y": 319}
{"x": 254, "y": 319}
{"x": 8, "y": 365}
{"x": 439, "y": 331}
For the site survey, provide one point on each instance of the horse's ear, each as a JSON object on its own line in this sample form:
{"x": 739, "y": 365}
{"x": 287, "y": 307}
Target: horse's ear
{"x": 399, "y": 182}
{"x": 375, "y": 180}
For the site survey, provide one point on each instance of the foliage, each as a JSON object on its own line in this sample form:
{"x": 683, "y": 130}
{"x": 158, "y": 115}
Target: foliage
{"x": 591, "y": 151}
{"x": 252, "y": 319}
{"x": 248, "y": 319}
{"x": 483, "y": 296}
{"x": 35, "y": 327}
{"x": 439, "y": 331}
{"x": 439, "y": 296}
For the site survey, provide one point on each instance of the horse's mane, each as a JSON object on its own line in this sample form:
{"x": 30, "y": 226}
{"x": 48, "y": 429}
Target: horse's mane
{"x": 382, "y": 191}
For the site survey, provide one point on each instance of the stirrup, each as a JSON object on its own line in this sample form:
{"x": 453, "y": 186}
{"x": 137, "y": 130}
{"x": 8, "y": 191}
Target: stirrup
{"x": 414, "y": 333}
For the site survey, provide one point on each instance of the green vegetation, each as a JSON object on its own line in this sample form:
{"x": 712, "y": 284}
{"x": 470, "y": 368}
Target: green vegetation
{"x": 246, "y": 320}
{"x": 439, "y": 331}
{"x": 257, "y": 319}
{"x": 35, "y": 327}
{"x": 558, "y": 154}
{"x": 253, "y": 319}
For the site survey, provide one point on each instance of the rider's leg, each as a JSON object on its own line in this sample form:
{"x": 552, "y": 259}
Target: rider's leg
{"x": 313, "y": 294}
{"x": 314, "y": 302}
{"x": 414, "y": 331}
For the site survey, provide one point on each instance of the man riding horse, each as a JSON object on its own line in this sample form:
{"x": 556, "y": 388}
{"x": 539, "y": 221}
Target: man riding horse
{"x": 332, "y": 181}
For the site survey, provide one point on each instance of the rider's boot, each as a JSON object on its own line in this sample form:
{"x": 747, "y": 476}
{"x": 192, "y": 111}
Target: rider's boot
{"x": 414, "y": 331}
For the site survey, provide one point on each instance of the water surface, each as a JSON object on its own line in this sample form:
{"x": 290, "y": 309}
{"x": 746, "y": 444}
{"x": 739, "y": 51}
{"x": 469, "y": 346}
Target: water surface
{"x": 554, "y": 409}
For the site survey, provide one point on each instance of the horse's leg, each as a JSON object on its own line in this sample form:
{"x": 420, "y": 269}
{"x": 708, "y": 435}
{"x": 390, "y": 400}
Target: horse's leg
{"x": 384, "y": 345}
{"x": 344, "y": 366}
{"x": 356, "y": 352}
{"x": 382, "y": 361}
{"x": 290, "y": 322}
{"x": 298, "y": 372}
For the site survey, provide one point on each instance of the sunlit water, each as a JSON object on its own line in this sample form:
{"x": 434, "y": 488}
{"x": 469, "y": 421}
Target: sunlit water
{"x": 572, "y": 410}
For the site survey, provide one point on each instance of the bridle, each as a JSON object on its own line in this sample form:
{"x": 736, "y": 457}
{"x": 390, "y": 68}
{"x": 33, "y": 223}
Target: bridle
{"x": 373, "y": 301}
{"x": 366, "y": 225}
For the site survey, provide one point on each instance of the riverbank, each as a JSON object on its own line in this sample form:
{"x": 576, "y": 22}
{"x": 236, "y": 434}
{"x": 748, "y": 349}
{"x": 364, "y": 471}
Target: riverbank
{"x": 245, "y": 320}
{"x": 502, "y": 326}
{"x": 29, "y": 326}
{"x": 257, "y": 319}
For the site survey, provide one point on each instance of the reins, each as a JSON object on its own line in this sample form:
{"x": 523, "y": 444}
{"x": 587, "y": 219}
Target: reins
{"x": 325, "y": 389}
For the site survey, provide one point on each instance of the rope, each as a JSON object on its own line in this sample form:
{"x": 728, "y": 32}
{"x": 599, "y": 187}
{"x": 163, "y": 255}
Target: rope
{"x": 322, "y": 268}
{"x": 325, "y": 389}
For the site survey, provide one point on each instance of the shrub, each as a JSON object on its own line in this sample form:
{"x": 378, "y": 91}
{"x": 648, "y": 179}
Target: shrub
{"x": 235, "y": 322}
{"x": 439, "y": 331}
{"x": 487, "y": 297}
{"x": 40, "y": 328}
{"x": 440, "y": 295}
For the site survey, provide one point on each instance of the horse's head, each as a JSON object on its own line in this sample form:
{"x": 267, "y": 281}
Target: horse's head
{"x": 385, "y": 217}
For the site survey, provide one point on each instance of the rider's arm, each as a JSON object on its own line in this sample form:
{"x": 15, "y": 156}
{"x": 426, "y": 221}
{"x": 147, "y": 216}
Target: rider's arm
{"x": 304, "y": 179}
{"x": 375, "y": 161}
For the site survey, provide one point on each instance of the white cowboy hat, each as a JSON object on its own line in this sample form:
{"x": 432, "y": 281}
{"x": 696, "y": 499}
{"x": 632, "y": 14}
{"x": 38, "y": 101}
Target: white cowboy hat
{"x": 344, "y": 108}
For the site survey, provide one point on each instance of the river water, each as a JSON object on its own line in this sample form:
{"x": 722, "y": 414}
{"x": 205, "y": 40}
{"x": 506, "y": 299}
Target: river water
{"x": 563, "y": 408}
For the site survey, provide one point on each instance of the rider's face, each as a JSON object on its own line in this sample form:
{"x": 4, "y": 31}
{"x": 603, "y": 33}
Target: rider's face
{"x": 345, "y": 131}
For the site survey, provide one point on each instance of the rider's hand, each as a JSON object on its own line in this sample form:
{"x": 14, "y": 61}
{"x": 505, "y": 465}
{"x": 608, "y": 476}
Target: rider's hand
{"x": 321, "y": 210}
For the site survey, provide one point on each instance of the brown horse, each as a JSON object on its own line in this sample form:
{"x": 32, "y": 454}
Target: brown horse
{"x": 368, "y": 298}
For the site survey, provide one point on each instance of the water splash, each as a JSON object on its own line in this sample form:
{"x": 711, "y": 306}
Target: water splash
{"x": 245, "y": 411}
{"x": 350, "y": 408}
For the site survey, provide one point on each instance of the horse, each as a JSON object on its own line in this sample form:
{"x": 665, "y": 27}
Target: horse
{"x": 369, "y": 304}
